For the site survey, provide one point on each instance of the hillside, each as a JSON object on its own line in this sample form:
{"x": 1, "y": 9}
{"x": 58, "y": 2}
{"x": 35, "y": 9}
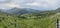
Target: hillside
{"x": 22, "y": 10}
{"x": 58, "y": 10}
{"x": 43, "y": 19}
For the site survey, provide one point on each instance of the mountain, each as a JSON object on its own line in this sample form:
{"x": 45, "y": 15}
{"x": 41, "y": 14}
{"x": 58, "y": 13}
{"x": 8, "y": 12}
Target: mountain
{"x": 58, "y": 10}
{"x": 28, "y": 11}
{"x": 22, "y": 10}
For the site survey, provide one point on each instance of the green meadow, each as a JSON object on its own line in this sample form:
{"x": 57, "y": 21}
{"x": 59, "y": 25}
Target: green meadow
{"x": 28, "y": 20}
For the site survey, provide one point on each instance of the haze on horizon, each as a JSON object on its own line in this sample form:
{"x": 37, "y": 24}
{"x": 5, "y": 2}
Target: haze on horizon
{"x": 36, "y": 4}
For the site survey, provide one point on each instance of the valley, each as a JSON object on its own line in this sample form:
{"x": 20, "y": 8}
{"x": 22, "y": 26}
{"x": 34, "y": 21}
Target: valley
{"x": 29, "y": 19}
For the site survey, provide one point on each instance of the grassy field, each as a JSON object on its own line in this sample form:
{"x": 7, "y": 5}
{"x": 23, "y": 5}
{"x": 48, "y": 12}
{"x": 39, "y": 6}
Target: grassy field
{"x": 9, "y": 21}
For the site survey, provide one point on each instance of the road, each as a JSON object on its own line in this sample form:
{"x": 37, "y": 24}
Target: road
{"x": 58, "y": 21}
{"x": 59, "y": 24}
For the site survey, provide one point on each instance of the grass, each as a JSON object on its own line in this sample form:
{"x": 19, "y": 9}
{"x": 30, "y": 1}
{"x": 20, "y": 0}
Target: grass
{"x": 14, "y": 22}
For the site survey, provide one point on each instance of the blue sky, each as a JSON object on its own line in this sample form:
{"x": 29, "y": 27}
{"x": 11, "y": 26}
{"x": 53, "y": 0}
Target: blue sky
{"x": 37, "y": 4}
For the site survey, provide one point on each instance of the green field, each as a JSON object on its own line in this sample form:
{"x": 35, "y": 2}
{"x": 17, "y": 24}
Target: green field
{"x": 28, "y": 21}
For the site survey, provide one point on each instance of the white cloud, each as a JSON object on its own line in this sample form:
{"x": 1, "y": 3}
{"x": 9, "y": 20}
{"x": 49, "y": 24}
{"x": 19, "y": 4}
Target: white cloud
{"x": 31, "y": 3}
{"x": 12, "y": 5}
{"x": 37, "y": 4}
{"x": 44, "y": 3}
{"x": 4, "y": 1}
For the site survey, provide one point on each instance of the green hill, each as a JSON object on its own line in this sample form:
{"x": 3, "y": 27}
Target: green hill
{"x": 45, "y": 19}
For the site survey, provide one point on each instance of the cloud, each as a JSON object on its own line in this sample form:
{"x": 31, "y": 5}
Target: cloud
{"x": 37, "y": 4}
{"x": 30, "y": 3}
{"x": 12, "y": 5}
{"x": 33, "y": 4}
{"x": 45, "y": 3}
{"x": 4, "y": 1}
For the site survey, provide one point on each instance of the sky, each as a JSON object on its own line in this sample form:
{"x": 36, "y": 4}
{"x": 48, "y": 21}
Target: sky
{"x": 35, "y": 4}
